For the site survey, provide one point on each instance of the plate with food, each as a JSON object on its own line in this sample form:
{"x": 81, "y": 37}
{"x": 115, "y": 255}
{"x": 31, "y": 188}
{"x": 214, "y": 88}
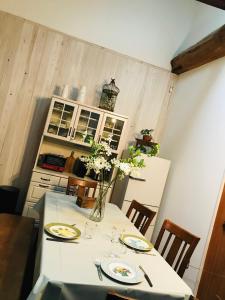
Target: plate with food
{"x": 62, "y": 230}
{"x": 136, "y": 242}
{"x": 122, "y": 271}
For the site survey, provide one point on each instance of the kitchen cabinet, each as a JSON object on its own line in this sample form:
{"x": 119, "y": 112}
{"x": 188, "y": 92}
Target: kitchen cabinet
{"x": 112, "y": 126}
{"x": 70, "y": 126}
{"x": 79, "y": 124}
{"x": 60, "y": 120}
{"x": 43, "y": 181}
{"x": 87, "y": 126}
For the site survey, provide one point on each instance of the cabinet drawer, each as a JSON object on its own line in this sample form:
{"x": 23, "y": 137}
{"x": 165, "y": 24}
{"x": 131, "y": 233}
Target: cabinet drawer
{"x": 45, "y": 178}
{"x": 37, "y": 190}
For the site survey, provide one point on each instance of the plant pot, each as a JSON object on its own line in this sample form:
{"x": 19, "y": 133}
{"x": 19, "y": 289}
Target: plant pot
{"x": 147, "y": 138}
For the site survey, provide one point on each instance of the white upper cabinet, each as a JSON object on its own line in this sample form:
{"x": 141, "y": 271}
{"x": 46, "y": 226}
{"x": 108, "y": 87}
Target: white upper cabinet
{"x": 112, "y": 126}
{"x": 79, "y": 123}
{"x": 87, "y": 126}
{"x": 60, "y": 120}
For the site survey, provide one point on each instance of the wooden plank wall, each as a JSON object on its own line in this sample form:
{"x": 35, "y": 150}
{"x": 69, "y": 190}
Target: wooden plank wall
{"x": 36, "y": 62}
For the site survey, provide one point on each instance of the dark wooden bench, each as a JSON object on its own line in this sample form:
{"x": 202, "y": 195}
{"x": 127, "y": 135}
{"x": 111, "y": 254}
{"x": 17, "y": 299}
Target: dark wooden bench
{"x": 16, "y": 247}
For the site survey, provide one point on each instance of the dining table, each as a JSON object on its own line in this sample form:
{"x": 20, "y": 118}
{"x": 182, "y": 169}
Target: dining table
{"x": 67, "y": 270}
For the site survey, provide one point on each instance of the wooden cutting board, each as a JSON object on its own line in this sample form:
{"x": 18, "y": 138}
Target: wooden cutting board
{"x": 70, "y": 163}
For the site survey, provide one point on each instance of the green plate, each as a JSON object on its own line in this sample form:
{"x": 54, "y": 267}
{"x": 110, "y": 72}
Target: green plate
{"x": 136, "y": 242}
{"x": 62, "y": 231}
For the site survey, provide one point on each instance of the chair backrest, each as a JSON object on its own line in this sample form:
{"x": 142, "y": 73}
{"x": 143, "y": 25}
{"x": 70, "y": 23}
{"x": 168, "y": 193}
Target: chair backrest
{"x": 116, "y": 296}
{"x": 178, "y": 247}
{"x": 81, "y": 188}
{"x": 140, "y": 215}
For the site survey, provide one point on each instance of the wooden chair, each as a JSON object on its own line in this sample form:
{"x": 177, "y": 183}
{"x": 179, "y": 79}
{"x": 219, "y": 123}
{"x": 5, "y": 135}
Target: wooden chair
{"x": 178, "y": 250}
{"x": 116, "y": 296}
{"x": 142, "y": 216}
{"x": 83, "y": 189}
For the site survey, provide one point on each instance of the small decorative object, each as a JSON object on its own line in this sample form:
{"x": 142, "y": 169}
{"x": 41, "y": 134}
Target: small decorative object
{"x": 108, "y": 97}
{"x": 81, "y": 94}
{"x": 65, "y": 92}
{"x": 70, "y": 163}
{"x": 101, "y": 162}
{"x": 147, "y": 134}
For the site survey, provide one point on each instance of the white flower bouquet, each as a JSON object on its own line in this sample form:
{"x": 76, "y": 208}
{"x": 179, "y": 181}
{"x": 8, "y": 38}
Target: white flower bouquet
{"x": 101, "y": 162}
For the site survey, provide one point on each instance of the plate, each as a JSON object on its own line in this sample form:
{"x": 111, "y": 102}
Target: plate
{"x": 63, "y": 231}
{"x": 136, "y": 242}
{"x": 122, "y": 271}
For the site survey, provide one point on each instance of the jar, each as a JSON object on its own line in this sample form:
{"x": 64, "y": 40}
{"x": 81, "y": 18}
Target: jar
{"x": 108, "y": 97}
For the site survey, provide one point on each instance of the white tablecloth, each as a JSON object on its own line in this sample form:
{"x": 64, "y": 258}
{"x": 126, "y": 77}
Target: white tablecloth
{"x": 66, "y": 271}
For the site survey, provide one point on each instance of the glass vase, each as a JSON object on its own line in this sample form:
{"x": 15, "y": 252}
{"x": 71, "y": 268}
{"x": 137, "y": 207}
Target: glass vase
{"x": 97, "y": 213}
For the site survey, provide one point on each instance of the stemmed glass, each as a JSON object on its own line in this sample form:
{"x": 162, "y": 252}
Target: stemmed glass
{"x": 117, "y": 247}
{"x": 90, "y": 230}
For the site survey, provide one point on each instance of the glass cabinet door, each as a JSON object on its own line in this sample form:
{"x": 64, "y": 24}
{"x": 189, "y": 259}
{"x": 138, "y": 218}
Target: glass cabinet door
{"x": 61, "y": 119}
{"x": 87, "y": 126}
{"x": 112, "y": 127}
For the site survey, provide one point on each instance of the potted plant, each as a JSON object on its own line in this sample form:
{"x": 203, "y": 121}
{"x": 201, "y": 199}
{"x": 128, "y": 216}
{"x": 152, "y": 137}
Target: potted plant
{"x": 147, "y": 134}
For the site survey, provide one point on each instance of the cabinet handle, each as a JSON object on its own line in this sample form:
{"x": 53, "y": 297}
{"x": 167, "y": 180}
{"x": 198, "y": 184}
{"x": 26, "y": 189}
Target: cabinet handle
{"x": 73, "y": 134}
{"x": 45, "y": 179}
{"x": 69, "y": 131}
{"x": 44, "y": 186}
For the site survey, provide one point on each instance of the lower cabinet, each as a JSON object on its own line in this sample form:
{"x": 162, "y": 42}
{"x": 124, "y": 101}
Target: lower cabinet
{"x": 45, "y": 181}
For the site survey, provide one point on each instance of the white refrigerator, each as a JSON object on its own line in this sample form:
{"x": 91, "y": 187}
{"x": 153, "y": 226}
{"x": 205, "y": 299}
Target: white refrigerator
{"x": 147, "y": 188}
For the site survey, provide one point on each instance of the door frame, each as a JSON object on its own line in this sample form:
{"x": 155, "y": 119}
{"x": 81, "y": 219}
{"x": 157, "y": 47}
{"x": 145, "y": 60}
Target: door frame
{"x": 222, "y": 187}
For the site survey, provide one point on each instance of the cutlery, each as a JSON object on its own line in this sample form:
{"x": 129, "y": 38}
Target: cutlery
{"x": 97, "y": 263}
{"x": 62, "y": 241}
{"x": 146, "y": 253}
{"x": 146, "y": 276}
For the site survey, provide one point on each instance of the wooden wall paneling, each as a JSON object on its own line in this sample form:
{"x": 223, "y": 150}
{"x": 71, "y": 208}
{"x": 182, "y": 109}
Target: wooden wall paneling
{"x": 96, "y": 65}
{"x": 132, "y": 75}
{"x": 155, "y": 89}
{"x": 42, "y": 93}
{"x": 68, "y": 66}
{"x": 40, "y": 62}
{"x": 12, "y": 115}
{"x": 25, "y": 100}
{"x": 9, "y": 40}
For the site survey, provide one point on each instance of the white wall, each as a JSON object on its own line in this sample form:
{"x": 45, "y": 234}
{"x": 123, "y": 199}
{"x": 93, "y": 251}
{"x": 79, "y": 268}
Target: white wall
{"x": 194, "y": 142}
{"x": 206, "y": 20}
{"x": 149, "y": 30}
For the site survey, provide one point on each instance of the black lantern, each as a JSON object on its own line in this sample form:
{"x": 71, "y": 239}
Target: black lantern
{"x": 108, "y": 97}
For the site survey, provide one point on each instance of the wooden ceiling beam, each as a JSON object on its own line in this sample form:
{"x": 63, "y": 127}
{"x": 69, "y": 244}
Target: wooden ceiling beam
{"x": 208, "y": 49}
{"x": 215, "y": 3}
